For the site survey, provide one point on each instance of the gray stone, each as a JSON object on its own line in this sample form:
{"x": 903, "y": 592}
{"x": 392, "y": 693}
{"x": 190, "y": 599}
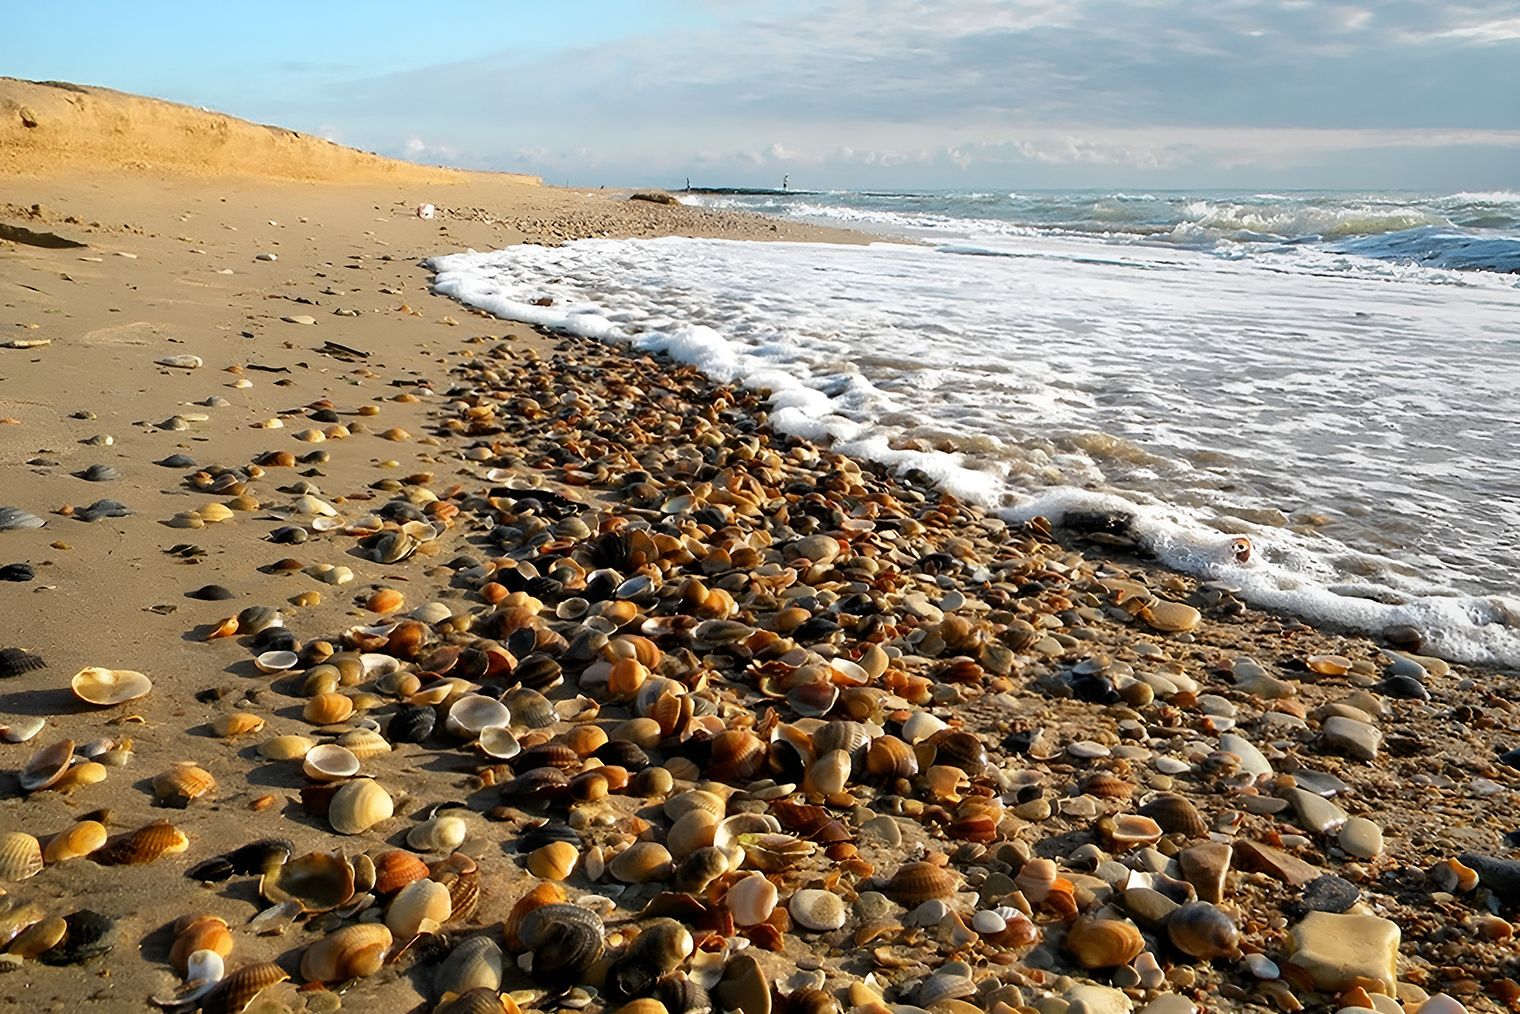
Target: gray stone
{"x": 1361, "y": 838}
{"x": 1316, "y": 813}
{"x": 1251, "y": 759}
{"x": 1359, "y": 739}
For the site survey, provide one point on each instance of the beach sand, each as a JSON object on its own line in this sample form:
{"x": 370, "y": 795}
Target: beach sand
{"x": 175, "y": 207}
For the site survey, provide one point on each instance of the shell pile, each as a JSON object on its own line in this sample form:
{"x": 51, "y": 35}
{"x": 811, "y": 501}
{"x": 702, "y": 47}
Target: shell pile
{"x": 676, "y": 715}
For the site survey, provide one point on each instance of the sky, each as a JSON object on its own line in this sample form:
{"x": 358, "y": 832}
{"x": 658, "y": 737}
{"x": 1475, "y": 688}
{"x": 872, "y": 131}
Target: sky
{"x": 889, "y": 94}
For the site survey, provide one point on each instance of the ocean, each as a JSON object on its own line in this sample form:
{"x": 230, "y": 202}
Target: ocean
{"x": 1335, "y": 376}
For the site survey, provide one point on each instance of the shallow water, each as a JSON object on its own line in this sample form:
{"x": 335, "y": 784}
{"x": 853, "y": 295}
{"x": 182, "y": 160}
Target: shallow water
{"x": 1354, "y": 416}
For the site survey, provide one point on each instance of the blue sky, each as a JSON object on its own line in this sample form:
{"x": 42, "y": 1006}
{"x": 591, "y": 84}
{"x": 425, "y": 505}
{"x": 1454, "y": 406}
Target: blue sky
{"x": 856, "y": 93}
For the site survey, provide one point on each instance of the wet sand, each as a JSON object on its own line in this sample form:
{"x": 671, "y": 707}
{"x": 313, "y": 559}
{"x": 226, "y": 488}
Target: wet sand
{"x": 1094, "y": 681}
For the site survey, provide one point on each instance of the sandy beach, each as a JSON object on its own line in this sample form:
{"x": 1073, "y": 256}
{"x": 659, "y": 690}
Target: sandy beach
{"x": 1079, "y": 740}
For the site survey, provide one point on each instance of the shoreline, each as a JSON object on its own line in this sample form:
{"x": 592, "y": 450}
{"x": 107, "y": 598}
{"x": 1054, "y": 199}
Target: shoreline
{"x": 1036, "y": 643}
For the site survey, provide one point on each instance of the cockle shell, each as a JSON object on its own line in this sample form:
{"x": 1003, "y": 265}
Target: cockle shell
{"x": 817, "y": 910}
{"x": 238, "y": 723}
{"x": 1036, "y": 879}
{"x": 554, "y": 861}
{"x": 438, "y": 834}
{"x": 327, "y": 709}
{"x": 474, "y": 964}
{"x": 182, "y": 783}
{"x": 285, "y": 748}
{"x": 751, "y": 900}
{"x": 236, "y": 991}
{"x": 20, "y": 856}
{"x": 1203, "y": 931}
{"x": 358, "y": 806}
{"x": 364, "y": 743}
{"x": 641, "y": 863}
{"x": 395, "y": 868}
{"x": 143, "y": 845}
{"x": 916, "y": 883}
{"x": 351, "y": 952}
{"x": 565, "y": 941}
{"x": 1104, "y": 943}
{"x": 107, "y": 687}
{"x": 420, "y": 907}
{"x": 79, "y": 839}
{"x": 1175, "y": 815}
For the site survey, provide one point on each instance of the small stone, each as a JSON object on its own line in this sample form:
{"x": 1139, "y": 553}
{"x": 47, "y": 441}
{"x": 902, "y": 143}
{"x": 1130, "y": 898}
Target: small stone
{"x": 1251, "y": 759}
{"x": 1170, "y": 617}
{"x": 1204, "y": 866}
{"x": 1337, "y": 950}
{"x": 1362, "y": 838}
{"x": 1315, "y": 812}
{"x": 1275, "y": 863}
{"x": 1171, "y": 1003}
{"x": 1330, "y": 894}
{"x": 884, "y": 828}
{"x": 873, "y": 905}
{"x": 1097, "y": 1000}
{"x": 929, "y": 913}
{"x": 299, "y": 318}
{"x": 1359, "y": 739}
{"x": 1147, "y": 907}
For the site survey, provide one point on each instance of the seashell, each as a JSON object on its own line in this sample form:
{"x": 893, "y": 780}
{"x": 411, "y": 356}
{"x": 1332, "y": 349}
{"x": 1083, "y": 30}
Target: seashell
{"x": 700, "y": 868}
{"x": 1175, "y": 815}
{"x": 285, "y": 748}
{"x": 813, "y": 699}
{"x": 393, "y": 547}
{"x": 1201, "y": 930}
{"x": 554, "y": 861}
{"x": 351, "y": 952}
{"x": 318, "y": 881}
{"x": 772, "y": 853}
{"x": 817, "y": 910}
{"x": 692, "y": 830}
{"x": 182, "y": 783}
{"x": 729, "y": 830}
{"x": 239, "y": 723}
{"x": 38, "y": 938}
{"x": 422, "y": 906}
{"x": 385, "y": 600}
{"x": 471, "y": 714}
{"x": 256, "y": 619}
{"x": 226, "y": 628}
{"x": 662, "y": 945}
{"x": 959, "y": 749}
{"x": 15, "y": 661}
{"x": 143, "y": 845}
{"x": 411, "y": 725}
{"x": 47, "y": 765}
{"x": 88, "y": 773}
{"x": 920, "y": 726}
{"x": 915, "y": 883}
{"x": 236, "y": 991}
{"x": 14, "y": 519}
{"x": 1129, "y": 829}
{"x": 1036, "y": 879}
{"x": 198, "y": 933}
{"x": 890, "y": 757}
{"x": 828, "y": 774}
{"x": 89, "y": 935}
{"x": 20, "y": 856}
{"x": 565, "y": 941}
{"x": 329, "y": 762}
{"x": 438, "y": 834}
{"x": 474, "y": 964}
{"x": 1105, "y": 785}
{"x": 358, "y": 806}
{"x": 543, "y": 894}
{"x": 105, "y": 687}
{"x": 1104, "y": 943}
{"x": 327, "y": 709}
{"x": 395, "y": 868}
{"x": 276, "y": 661}
{"x": 531, "y": 709}
{"x": 76, "y": 840}
{"x": 751, "y": 900}
{"x": 214, "y": 512}
{"x": 737, "y": 756}
{"x": 699, "y": 799}
{"x": 1329, "y": 665}
{"x": 642, "y": 862}
{"x": 480, "y": 1000}
{"x": 22, "y": 729}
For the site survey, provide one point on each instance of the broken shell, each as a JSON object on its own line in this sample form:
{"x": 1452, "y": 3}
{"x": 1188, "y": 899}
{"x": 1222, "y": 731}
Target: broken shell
{"x": 105, "y": 687}
{"x": 358, "y": 806}
{"x": 317, "y": 881}
{"x": 1104, "y": 943}
{"x": 74, "y": 841}
{"x": 47, "y": 765}
{"x": 329, "y": 762}
{"x": 1129, "y": 829}
{"x": 751, "y": 900}
{"x": 20, "y": 856}
{"x": 182, "y": 783}
{"x": 347, "y": 953}
{"x": 817, "y": 910}
{"x": 421, "y": 907}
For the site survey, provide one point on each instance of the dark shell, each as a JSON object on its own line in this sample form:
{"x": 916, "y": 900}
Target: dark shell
{"x": 14, "y": 519}
{"x": 212, "y": 593}
{"x": 1174, "y": 814}
{"x": 547, "y": 755}
{"x": 565, "y": 940}
{"x": 177, "y": 461}
{"x": 622, "y": 753}
{"x": 273, "y": 639}
{"x": 530, "y": 708}
{"x": 14, "y": 662}
{"x": 289, "y": 535}
{"x": 411, "y": 725}
{"x": 546, "y": 834}
{"x": 89, "y": 935}
{"x": 1404, "y": 688}
{"x": 962, "y": 750}
{"x": 258, "y": 856}
{"x": 104, "y": 509}
{"x": 211, "y": 871}
{"x": 538, "y": 672}
{"x": 99, "y": 473}
{"x": 17, "y": 572}
{"x": 683, "y": 996}
{"x": 630, "y": 978}
{"x": 537, "y": 783}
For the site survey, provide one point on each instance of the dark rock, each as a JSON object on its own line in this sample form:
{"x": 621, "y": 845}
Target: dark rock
{"x": 1330, "y": 894}
{"x": 17, "y": 572}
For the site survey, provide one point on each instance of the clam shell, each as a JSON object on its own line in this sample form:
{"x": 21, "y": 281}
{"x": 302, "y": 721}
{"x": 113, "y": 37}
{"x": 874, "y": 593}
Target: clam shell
{"x": 554, "y": 861}
{"x": 916, "y": 883}
{"x": 285, "y": 748}
{"x": 1036, "y": 879}
{"x": 1203, "y": 931}
{"x": 20, "y": 856}
{"x": 1104, "y": 943}
{"x": 420, "y": 907}
{"x": 329, "y": 762}
{"x": 236, "y": 991}
{"x": 1175, "y": 815}
{"x": 47, "y": 765}
{"x": 106, "y": 687}
{"x": 347, "y": 953}
{"x": 364, "y": 743}
{"x": 438, "y": 834}
{"x": 642, "y": 862}
{"x": 239, "y": 723}
{"x": 89, "y": 935}
{"x": 182, "y": 783}
{"x": 411, "y": 724}
{"x": 473, "y": 713}
{"x": 327, "y": 709}
{"x": 22, "y": 728}
{"x": 198, "y": 933}
{"x": 499, "y": 742}
{"x": 829, "y": 774}
{"x": 276, "y": 661}
{"x": 663, "y": 945}
{"x": 751, "y": 900}
{"x": 143, "y": 845}
{"x": 76, "y": 840}
{"x": 693, "y": 830}
{"x": 318, "y": 881}
{"x": 890, "y": 757}
{"x": 38, "y": 938}
{"x": 474, "y": 964}
{"x": 817, "y": 910}
{"x": 358, "y": 806}
{"x": 565, "y": 941}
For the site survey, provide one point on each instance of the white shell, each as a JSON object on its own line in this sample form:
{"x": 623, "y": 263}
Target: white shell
{"x": 499, "y": 742}
{"x": 474, "y": 713}
{"x": 329, "y": 762}
{"x": 276, "y": 661}
{"x": 751, "y": 900}
{"x": 440, "y": 834}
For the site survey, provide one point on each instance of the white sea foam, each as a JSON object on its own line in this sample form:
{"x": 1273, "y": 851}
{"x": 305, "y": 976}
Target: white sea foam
{"x": 1352, "y": 416}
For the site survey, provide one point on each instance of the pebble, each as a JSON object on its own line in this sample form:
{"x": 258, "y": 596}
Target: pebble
{"x": 1251, "y": 759}
{"x": 17, "y": 572}
{"x": 1359, "y": 739}
{"x": 1330, "y": 893}
{"x": 1360, "y": 837}
{"x": 1097, "y": 1000}
{"x": 1335, "y": 950}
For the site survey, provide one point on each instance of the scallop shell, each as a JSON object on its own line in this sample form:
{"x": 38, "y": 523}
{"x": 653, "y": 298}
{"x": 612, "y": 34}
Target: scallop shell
{"x": 915, "y": 883}
{"x": 420, "y": 907}
{"x": 143, "y": 845}
{"x": 438, "y": 834}
{"x": 329, "y": 762}
{"x": 1175, "y": 815}
{"x": 182, "y": 783}
{"x": 47, "y": 765}
{"x": 76, "y": 840}
{"x": 358, "y": 806}
{"x": 20, "y": 856}
{"x": 317, "y": 881}
{"x": 347, "y": 953}
{"x": 817, "y": 910}
{"x": 285, "y": 748}
{"x": 107, "y": 687}
{"x": 751, "y": 900}
{"x": 236, "y": 991}
{"x": 1104, "y": 943}
{"x": 364, "y": 743}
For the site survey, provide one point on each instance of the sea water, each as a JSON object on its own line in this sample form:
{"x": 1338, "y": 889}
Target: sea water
{"x": 1335, "y": 376}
